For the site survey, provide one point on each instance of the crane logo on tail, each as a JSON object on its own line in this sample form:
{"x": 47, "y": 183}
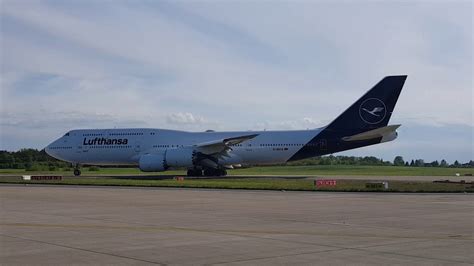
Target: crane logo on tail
{"x": 372, "y": 111}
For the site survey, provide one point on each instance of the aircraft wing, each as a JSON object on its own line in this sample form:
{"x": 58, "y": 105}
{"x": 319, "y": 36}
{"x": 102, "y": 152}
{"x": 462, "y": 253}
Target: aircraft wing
{"x": 221, "y": 145}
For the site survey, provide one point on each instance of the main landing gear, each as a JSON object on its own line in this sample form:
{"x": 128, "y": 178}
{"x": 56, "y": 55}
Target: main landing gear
{"x": 207, "y": 172}
{"x": 215, "y": 172}
{"x": 77, "y": 171}
{"x": 194, "y": 172}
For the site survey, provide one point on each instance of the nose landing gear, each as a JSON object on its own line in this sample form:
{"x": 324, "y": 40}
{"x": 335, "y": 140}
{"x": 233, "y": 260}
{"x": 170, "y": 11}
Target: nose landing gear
{"x": 77, "y": 171}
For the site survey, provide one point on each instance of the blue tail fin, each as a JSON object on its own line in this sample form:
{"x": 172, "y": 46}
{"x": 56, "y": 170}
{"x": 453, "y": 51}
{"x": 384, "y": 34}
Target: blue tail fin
{"x": 371, "y": 111}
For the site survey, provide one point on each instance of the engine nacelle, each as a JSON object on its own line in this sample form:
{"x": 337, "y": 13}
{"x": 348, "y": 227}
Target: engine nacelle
{"x": 182, "y": 157}
{"x": 152, "y": 163}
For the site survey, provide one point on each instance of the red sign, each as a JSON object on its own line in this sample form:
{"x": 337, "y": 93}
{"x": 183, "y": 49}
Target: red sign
{"x": 179, "y": 178}
{"x": 325, "y": 183}
{"x": 46, "y": 177}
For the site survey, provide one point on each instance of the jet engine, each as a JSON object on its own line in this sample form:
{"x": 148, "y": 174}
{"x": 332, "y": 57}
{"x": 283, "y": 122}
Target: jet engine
{"x": 181, "y": 157}
{"x": 152, "y": 163}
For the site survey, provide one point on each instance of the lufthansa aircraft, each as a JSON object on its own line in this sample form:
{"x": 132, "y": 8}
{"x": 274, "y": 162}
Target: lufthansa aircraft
{"x": 210, "y": 153}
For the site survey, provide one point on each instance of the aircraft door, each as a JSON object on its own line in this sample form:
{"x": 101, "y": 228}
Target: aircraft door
{"x": 82, "y": 148}
{"x": 137, "y": 147}
{"x": 85, "y": 148}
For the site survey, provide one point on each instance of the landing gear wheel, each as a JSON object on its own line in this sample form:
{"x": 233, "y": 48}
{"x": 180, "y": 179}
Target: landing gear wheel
{"x": 221, "y": 172}
{"x": 215, "y": 172}
{"x": 77, "y": 172}
{"x": 208, "y": 172}
{"x": 194, "y": 172}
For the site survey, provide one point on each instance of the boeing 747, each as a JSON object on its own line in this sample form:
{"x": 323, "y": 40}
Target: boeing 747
{"x": 210, "y": 153}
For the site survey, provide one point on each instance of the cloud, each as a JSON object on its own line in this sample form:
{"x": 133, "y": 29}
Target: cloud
{"x": 425, "y": 142}
{"x": 158, "y": 64}
{"x": 184, "y": 118}
{"x": 45, "y": 119}
{"x": 303, "y": 123}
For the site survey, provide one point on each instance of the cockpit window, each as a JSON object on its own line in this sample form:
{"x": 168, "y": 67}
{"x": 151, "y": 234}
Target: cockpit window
{"x": 67, "y": 134}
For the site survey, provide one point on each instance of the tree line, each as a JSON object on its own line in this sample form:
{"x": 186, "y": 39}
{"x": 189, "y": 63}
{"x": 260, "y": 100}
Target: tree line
{"x": 34, "y": 160}
{"x": 30, "y": 159}
{"x": 371, "y": 160}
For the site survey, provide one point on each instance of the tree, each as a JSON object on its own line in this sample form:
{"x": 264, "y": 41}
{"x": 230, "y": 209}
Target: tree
{"x": 407, "y": 164}
{"x": 28, "y": 158}
{"x": 412, "y": 163}
{"x": 420, "y": 162}
{"x": 456, "y": 163}
{"x": 435, "y": 163}
{"x": 398, "y": 161}
{"x": 443, "y": 163}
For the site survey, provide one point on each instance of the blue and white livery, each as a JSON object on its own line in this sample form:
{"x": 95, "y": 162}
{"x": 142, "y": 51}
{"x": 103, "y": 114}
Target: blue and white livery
{"x": 210, "y": 153}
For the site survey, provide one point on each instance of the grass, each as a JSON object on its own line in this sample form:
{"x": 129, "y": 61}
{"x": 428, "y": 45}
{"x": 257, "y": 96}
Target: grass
{"x": 352, "y": 170}
{"x": 133, "y": 177}
{"x": 279, "y": 170}
{"x": 85, "y": 171}
{"x": 296, "y": 184}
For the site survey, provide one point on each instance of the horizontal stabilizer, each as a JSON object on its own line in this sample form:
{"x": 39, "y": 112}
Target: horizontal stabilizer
{"x": 372, "y": 134}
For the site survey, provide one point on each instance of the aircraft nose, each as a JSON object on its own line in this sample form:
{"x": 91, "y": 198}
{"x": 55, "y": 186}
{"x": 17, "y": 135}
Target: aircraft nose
{"x": 50, "y": 148}
{"x": 47, "y": 149}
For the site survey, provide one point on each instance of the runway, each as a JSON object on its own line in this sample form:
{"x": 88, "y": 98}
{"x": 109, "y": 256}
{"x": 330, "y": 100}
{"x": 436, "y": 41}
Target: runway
{"x": 107, "y": 225}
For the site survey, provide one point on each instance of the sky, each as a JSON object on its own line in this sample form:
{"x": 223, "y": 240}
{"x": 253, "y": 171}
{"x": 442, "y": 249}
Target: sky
{"x": 236, "y": 65}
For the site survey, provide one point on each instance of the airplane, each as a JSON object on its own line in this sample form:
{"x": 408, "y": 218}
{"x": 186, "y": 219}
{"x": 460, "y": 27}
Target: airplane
{"x": 211, "y": 153}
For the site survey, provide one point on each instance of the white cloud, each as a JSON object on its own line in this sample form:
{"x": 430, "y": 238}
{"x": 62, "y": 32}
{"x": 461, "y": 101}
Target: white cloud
{"x": 184, "y": 118}
{"x": 298, "y": 124}
{"x": 98, "y": 64}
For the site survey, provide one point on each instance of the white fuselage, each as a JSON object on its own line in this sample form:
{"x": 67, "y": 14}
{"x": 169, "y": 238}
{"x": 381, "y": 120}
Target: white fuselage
{"x": 364, "y": 123}
{"x": 126, "y": 146}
